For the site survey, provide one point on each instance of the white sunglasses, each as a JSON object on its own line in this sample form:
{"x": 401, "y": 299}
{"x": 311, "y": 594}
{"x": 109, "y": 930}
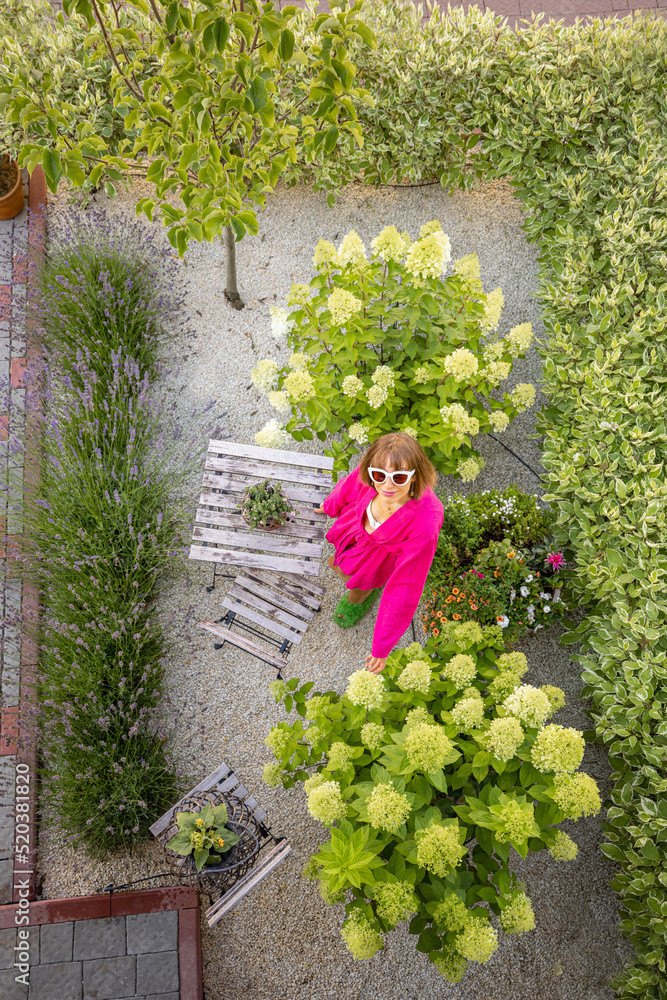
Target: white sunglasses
{"x": 379, "y": 476}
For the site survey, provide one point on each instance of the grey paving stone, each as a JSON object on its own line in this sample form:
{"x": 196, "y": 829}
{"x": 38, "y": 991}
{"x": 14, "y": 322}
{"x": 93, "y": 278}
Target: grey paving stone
{"x": 11, "y": 990}
{"x": 6, "y": 271}
{"x": 164, "y": 996}
{"x": 61, "y": 981}
{"x": 6, "y": 881}
{"x": 55, "y": 942}
{"x": 109, "y": 978}
{"x": 151, "y": 932}
{"x": 6, "y": 834}
{"x": 157, "y": 973}
{"x": 100, "y": 938}
{"x": 6, "y": 226}
{"x": 7, "y": 942}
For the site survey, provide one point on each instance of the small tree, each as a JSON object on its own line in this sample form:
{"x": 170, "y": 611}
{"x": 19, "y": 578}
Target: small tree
{"x": 197, "y": 86}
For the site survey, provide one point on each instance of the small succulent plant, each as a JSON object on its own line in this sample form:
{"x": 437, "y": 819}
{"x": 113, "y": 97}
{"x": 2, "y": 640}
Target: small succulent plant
{"x": 265, "y": 505}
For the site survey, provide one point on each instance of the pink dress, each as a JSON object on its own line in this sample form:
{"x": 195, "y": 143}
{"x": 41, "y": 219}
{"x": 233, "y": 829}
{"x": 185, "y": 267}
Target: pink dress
{"x": 396, "y": 556}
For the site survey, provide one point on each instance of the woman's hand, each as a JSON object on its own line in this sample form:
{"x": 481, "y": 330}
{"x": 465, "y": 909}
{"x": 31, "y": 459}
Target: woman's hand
{"x": 376, "y": 663}
{"x": 318, "y": 510}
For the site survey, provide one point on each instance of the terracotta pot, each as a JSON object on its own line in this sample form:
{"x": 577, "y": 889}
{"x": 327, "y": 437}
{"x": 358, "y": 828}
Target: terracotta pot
{"x": 12, "y": 203}
{"x": 261, "y": 527}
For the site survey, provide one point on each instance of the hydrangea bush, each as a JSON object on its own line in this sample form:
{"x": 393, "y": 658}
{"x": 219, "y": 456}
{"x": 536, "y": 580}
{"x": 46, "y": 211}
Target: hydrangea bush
{"x": 426, "y": 775}
{"x": 388, "y": 340}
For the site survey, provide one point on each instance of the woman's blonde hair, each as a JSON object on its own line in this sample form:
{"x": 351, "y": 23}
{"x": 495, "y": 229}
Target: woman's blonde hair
{"x": 402, "y": 452}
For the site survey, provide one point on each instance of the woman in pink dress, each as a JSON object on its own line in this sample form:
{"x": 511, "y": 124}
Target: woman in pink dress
{"x": 386, "y": 532}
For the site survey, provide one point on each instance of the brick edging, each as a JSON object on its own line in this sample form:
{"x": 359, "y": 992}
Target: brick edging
{"x": 123, "y": 904}
{"x": 27, "y": 754}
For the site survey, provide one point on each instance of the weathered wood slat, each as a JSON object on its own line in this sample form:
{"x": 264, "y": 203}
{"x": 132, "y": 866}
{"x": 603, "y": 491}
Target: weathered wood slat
{"x": 271, "y": 454}
{"x": 236, "y": 521}
{"x": 247, "y": 883}
{"x": 270, "y": 543}
{"x": 246, "y": 644}
{"x": 314, "y": 588}
{"x": 254, "y": 616}
{"x": 300, "y": 593}
{"x": 253, "y": 560}
{"x": 310, "y": 494}
{"x": 277, "y": 599}
{"x": 232, "y": 502}
{"x": 205, "y": 785}
{"x": 269, "y": 609}
{"x": 282, "y": 473}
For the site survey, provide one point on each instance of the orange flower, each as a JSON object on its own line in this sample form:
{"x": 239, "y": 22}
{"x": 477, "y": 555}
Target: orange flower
{"x": 436, "y": 631}
{"x": 462, "y": 594}
{"x": 456, "y": 617}
{"x": 448, "y": 600}
{"x": 438, "y": 614}
{"x": 473, "y": 606}
{"x": 496, "y": 573}
{"x": 510, "y": 555}
{"x": 458, "y": 600}
{"x": 455, "y": 590}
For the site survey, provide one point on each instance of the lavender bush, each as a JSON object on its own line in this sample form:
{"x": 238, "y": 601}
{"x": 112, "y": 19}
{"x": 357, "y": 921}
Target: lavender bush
{"x": 102, "y": 533}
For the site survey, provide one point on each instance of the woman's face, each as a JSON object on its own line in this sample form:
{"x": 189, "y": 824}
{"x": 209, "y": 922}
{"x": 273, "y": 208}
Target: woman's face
{"x": 389, "y": 492}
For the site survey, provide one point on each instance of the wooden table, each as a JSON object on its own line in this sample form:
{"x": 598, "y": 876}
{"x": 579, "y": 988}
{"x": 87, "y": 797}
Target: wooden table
{"x": 222, "y": 536}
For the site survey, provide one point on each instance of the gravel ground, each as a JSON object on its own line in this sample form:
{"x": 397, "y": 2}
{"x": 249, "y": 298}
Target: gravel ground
{"x": 282, "y": 941}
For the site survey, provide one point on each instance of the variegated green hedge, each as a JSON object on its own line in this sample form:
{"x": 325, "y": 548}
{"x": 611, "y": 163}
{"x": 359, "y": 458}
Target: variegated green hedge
{"x": 576, "y": 118}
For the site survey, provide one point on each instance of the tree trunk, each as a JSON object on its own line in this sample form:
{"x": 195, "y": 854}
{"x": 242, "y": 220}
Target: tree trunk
{"x": 231, "y": 291}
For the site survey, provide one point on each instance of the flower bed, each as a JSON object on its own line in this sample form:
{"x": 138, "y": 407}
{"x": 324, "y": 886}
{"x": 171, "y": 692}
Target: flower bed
{"x": 102, "y": 534}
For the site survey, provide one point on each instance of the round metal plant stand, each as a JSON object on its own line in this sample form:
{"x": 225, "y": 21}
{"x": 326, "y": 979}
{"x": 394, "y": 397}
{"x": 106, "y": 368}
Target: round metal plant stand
{"x": 215, "y": 880}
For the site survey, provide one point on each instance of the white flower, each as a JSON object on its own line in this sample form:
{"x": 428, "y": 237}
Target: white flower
{"x": 429, "y": 256}
{"x": 499, "y": 420}
{"x": 265, "y": 375}
{"x": 352, "y": 385}
{"x": 546, "y": 608}
{"x": 524, "y": 591}
{"x": 272, "y": 435}
{"x": 504, "y": 621}
{"x": 280, "y": 401}
{"x": 519, "y": 339}
{"x": 280, "y": 322}
{"x": 545, "y": 596}
{"x": 384, "y": 376}
{"x": 351, "y": 250}
{"x": 376, "y": 396}
{"x": 461, "y": 363}
{"x": 358, "y": 433}
{"x": 411, "y": 431}
{"x": 529, "y": 578}
{"x": 342, "y": 305}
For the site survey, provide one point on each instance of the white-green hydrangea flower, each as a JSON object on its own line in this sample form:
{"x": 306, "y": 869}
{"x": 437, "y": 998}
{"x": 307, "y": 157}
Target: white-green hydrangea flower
{"x": 477, "y": 941}
{"x": 418, "y": 717}
{"x": 340, "y": 756}
{"x": 428, "y": 257}
{"x": 317, "y": 705}
{"x": 467, "y": 633}
{"x": 557, "y": 748}
{"x": 299, "y": 386}
{"x": 577, "y": 795}
{"x": 499, "y": 421}
{"x": 451, "y": 913}
{"x": 272, "y": 774}
{"x": 516, "y": 662}
{"x": 280, "y": 402}
{"x": 493, "y": 307}
{"x": 265, "y": 375}
{"x": 278, "y": 740}
{"x": 468, "y": 713}
{"x": 461, "y": 670}
{"x": 468, "y": 267}
{"x": 416, "y": 676}
{"x": 426, "y": 747}
{"x": 313, "y": 735}
{"x": 358, "y": 433}
{"x": 497, "y": 372}
{"x": 278, "y": 689}
{"x": 313, "y": 782}
{"x": 376, "y": 396}
{"x": 472, "y": 692}
{"x": 365, "y": 688}
{"x": 351, "y": 385}
{"x": 394, "y": 901}
{"x": 528, "y": 704}
{"x": 390, "y": 245}
{"x": 563, "y": 847}
{"x": 361, "y": 938}
{"x": 414, "y": 651}
{"x": 439, "y": 849}
{"x": 281, "y": 324}
{"x": 325, "y": 803}
{"x": 412, "y": 431}
{"x": 470, "y": 468}
{"x": 503, "y": 685}
{"x": 505, "y": 737}
{"x": 299, "y": 295}
{"x": 495, "y": 351}
{"x": 388, "y": 809}
{"x": 555, "y": 695}
{"x": 459, "y": 419}
{"x": 523, "y": 396}
{"x": 372, "y": 735}
{"x": 461, "y": 364}
{"x": 299, "y": 360}
{"x": 331, "y": 898}
{"x": 351, "y": 250}
{"x": 518, "y": 821}
{"x": 325, "y": 253}
{"x": 519, "y": 339}
{"x": 518, "y": 916}
{"x": 449, "y": 964}
{"x": 384, "y": 376}
{"x": 342, "y": 306}
{"x": 422, "y": 375}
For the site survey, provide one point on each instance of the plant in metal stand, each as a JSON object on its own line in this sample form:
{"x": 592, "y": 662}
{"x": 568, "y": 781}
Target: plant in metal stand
{"x": 203, "y": 835}
{"x": 265, "y": 506}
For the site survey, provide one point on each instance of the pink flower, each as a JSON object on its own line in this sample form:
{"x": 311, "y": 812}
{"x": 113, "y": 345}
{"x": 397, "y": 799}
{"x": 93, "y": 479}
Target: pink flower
{"x": 556, "y": 560}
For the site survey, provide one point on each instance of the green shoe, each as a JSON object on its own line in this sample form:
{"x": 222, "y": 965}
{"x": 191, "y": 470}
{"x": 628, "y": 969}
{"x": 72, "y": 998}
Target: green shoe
{"x": 346, "y": 615}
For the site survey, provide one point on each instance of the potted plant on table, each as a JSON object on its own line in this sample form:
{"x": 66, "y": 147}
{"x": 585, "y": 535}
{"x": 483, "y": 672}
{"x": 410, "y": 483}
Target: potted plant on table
{"x": 265, "y": 506}
{"x": 203, "y": 835}
{"x": 11, "y": 188}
